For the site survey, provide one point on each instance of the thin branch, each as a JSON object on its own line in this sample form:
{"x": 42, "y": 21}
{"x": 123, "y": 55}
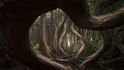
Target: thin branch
{"x": 51, "y": 63}
{"x": 91, "y": 57}
{"x": 98, "y": 53}
{"x": 60, "y": 40}
{"x": 81, "y": 50}
{"x": 56, "y": 32}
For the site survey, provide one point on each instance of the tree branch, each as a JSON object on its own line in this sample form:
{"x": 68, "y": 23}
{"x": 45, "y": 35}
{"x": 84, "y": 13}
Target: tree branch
{"x": 98, "y": 53}
{"x": 81, "y": 50}
{"x": 82, "y": 18}
{"x": 61, "y": 37}
{"x": 56, "y": 32}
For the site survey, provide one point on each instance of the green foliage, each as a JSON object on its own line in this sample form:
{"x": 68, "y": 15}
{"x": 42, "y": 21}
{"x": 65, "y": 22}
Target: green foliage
{"x": 36, "y": 45}
{"x": 93, "y": 47}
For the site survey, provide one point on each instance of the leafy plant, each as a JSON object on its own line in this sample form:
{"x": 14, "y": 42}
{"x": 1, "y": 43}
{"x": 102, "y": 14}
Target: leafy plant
{"x": 36, "y": 45}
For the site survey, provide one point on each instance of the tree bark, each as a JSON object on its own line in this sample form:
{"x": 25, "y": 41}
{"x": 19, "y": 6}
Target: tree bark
{"x": 82, "y": 18}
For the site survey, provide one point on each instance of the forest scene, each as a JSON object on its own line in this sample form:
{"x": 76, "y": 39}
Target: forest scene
{"x": 62, "y": 35}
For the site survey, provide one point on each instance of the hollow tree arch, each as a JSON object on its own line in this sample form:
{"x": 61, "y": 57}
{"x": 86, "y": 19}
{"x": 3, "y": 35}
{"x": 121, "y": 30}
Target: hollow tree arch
{"x": 16, "y": 17}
